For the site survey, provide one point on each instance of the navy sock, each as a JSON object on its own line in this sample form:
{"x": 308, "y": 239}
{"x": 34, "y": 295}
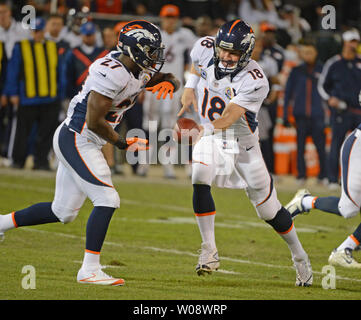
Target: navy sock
{"x": 282, "y": 222}
{"x": 328, "y": 204}
{"x": 357, "y": 233}
{"x": 202, "y": 199}
{"x": 97, "y": 227}
{"x": 39, "y": 213}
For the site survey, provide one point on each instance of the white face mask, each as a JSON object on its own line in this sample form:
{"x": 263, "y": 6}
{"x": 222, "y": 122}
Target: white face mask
{"x": 226, "y": 69}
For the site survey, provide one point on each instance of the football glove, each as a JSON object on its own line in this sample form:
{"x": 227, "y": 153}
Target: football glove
{"x": 132, "y": 144}
{"x": 163, "y": 88}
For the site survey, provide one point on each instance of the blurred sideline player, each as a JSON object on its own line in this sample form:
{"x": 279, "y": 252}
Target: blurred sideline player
{"x": 113, "y": 84}
{"x": 178, "y": 42}
{"x": 347, "y": 206}
{"x": 231, "y": 88}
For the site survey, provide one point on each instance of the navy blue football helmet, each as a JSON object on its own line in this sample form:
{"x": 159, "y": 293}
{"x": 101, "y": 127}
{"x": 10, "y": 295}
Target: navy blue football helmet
{"x": 235, "y": 35}
{"x": 142, "y": 42}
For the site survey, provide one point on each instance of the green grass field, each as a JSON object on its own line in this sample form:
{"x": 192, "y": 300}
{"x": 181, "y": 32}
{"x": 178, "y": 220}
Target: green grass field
{"x": 153, "y": 240}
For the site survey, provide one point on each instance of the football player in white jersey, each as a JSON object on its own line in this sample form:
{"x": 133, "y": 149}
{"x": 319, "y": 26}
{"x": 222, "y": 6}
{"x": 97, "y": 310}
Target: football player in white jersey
{"x": 177, "y": 41}
{"x": 231, "y": 88}
{"x": 346, "y": 206}
{"x": 111, "y": 88}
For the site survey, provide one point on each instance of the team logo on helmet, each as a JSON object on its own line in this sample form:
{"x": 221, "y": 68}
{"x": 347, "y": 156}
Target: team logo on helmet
{"x": 237, "y": 36}
{"x": 141, "y": 41}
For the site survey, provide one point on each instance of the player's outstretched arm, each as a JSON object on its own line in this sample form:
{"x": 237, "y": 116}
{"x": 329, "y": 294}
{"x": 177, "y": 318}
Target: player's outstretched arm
{"x": 98, "y": 107}
{"x": 230, "y": 115}
{"x": 189, "y": 97}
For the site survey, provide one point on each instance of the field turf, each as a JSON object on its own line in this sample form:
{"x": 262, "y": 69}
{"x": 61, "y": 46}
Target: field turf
{"x": 153, "y": 240}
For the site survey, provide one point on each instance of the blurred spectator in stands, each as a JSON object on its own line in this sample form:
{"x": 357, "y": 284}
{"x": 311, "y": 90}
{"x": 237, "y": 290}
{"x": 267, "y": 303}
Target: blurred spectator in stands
{"x": 257, "y": 11}
{"x": 270, "y": 68}
{"x": 340, "y": 85}
{"x": 298, "y": 26}
{"x": 56, "y": 32}
{"x": 204, "y": 27}
{"x": 11, "y": 32}
{"x": 78, "y": 60}
{"x": 274, "y": 51}
{"x": 34, "y": 85}
{"x": 110, "y": 38}
{"x": 302, "y": 95}
{"x": 3, "y": 101}
{"x": 16, "y": 7}
{"x": 75, "y": 20}
{"x": 178, "y": 42}
{"x": 311, "y": 10}
{"x": 270, "y": 45}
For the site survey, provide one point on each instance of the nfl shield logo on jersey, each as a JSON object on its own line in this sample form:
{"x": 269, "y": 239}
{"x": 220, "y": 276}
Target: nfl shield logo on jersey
{"x": 229, "y": 93}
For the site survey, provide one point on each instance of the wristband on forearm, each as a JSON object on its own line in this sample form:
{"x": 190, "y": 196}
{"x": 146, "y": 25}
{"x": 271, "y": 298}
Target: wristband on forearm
{"x": 173, "y": 80}
{"x": 121, "y": 143}
{"x": 192, "y": 81}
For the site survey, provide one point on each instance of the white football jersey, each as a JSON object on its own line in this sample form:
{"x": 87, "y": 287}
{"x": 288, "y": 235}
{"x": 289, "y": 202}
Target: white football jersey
{"x": 247, "y": 89}
{"x": 175, "y": 45}
{"x": 110, "y": 78}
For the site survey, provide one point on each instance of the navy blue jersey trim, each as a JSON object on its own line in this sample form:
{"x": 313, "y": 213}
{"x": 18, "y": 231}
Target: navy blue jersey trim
{"x": 211, "y": 62}
{"x": 78, "y": 118}
{"x": 251, "y": 120}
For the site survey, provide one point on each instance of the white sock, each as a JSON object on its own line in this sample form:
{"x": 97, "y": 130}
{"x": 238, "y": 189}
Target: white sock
{"x": 294, "y": 244}
{"x": 307, "y": 202}
{"x": 91, "y": 261}
{"x": 6, "y": 222}
{"x": 348, "y": 243}
{"x": 206, "y": 228}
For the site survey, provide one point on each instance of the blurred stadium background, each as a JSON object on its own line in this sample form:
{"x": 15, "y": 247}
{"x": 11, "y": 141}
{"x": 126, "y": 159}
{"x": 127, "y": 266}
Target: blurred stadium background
{"x": 155, "y": 222}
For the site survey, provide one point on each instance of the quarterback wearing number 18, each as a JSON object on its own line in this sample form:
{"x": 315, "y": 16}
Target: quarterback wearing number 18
{"x": 228, "y": 88}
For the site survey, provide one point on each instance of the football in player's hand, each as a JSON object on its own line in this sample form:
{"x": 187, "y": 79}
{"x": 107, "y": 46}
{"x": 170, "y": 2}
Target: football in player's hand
{"x": 185, "y": 131}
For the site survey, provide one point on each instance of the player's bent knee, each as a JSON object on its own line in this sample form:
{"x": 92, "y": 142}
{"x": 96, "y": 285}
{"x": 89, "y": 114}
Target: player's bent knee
{"x": 110, "y": 198}
{"x": 347, "y": 208}
{"x": 201, "y": 174}
{"x": 349, "y": 212}
{"x": 266, "y": 206}
{"x": 64, "y": 214}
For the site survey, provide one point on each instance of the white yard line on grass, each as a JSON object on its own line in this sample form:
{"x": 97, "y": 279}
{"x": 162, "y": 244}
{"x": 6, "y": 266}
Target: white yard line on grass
{"x": 236, "y": 224}
{"x": 187, "y": 253}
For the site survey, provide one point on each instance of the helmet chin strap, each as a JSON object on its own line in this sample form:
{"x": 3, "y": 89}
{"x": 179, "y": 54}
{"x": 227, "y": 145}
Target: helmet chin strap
{"x": 132, "y": 57}
{"x": 142, "y": 69}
